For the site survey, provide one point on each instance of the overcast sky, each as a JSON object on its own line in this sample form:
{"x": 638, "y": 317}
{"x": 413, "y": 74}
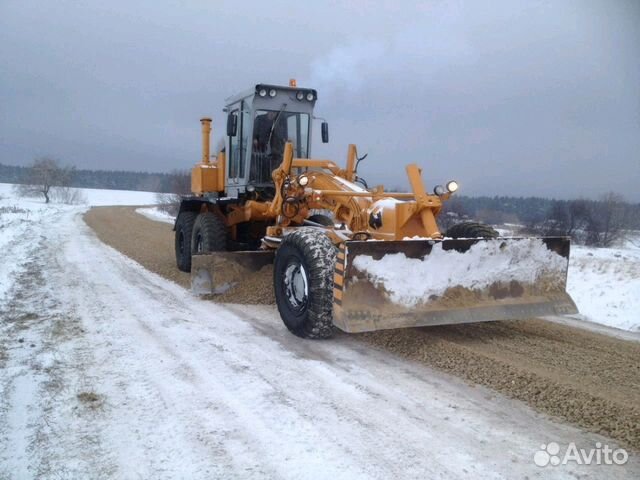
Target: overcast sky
{"x": 532, "y": 98}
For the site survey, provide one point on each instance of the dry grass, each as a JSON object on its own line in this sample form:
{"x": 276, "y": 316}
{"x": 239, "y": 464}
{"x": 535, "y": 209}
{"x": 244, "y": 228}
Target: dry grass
{"x": 12, "y": 209}
{"x": 90, "y": 399}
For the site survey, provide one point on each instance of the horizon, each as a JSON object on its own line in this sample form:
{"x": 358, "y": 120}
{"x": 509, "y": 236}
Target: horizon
{"x": 456, "y": 195}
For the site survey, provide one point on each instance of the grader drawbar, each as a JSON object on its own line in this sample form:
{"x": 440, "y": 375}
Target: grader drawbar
{"x": 339, "y": 253}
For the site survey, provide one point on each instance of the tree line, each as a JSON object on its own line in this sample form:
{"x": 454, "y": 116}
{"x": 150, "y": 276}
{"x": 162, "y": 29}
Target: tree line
{"x": 602, "y": 222}
{"x": 103, "y": 179}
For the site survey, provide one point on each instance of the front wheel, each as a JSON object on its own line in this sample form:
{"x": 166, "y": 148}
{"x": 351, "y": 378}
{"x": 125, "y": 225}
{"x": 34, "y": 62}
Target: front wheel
{"x": 303, "y": 283}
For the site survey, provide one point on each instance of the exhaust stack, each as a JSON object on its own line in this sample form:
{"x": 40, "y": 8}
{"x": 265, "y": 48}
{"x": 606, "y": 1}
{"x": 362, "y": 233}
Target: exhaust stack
{"x": 206, "y": 136}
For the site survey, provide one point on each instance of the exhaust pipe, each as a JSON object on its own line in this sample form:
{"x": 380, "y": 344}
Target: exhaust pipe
{"x": 206, "y": 135}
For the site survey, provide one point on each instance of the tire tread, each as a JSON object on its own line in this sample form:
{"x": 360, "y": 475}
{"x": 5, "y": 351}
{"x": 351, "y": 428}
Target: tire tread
{"x": 320, "y": 255}
{"x": 213, "y": 231}
{"x": 184, "y": 223}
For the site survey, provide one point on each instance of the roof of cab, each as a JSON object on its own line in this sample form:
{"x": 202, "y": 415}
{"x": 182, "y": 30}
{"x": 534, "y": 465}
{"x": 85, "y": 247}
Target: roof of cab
{"x": 253, "y": 91}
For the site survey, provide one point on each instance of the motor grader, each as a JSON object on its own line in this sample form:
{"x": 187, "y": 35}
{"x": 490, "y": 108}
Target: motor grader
{"x": 343, "y": 254}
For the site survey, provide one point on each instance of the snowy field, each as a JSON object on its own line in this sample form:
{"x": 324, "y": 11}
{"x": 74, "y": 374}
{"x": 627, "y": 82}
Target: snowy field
{"x": 110, "y": 371}
{"x": 605, "y": 284}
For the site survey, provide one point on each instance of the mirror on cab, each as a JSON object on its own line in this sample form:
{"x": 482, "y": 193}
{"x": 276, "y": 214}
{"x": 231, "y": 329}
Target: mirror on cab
{"x": 232, "y": 125}
{"x": 325, "y": 132}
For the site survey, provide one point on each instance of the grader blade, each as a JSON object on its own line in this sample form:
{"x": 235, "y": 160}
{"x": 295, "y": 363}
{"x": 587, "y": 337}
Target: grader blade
{"x": 412, "y": 283}
{"x": 220, "y": 272}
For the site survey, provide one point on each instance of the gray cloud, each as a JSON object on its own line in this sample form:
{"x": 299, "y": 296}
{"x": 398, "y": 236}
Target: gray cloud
{"x": 531, "y": 98}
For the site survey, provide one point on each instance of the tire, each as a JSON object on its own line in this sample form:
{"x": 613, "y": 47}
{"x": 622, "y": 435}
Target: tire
{"x": 303, "y": 283}
{"x": 471, "y": 230}
{"x": 209, "y": 234}
{"x": 321, "y": 219}
{"x": 184, "y": 230}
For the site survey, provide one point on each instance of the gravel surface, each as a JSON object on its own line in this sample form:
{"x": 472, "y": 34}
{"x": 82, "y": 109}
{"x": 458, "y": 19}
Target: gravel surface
{"x": 151, "y": 244}
{"x": 148, "y": 242}
{"x": 579, "y": 376}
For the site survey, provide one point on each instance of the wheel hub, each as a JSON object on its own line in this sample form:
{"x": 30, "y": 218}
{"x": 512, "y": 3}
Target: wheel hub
{"x": 296, "y": 286}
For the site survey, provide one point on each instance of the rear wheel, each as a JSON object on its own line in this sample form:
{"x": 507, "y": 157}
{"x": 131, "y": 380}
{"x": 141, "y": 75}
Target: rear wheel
{"x": 184, "y": 230}
{"x": 209, "y": 234}
{"x": 471, "y": 230}
{"x": 303, "y": 283}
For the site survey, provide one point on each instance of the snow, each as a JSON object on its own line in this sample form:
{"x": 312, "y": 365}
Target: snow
{"x": 476, "y": 268}
{"x": 185, "y": 388}
{"x": 154, "y": 213}
{"x": 605, "y": 284}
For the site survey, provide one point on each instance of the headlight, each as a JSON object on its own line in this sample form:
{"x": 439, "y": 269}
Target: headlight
{"x": 272, "y": 92}
{"x": 300, "y": 96}
{"x": 310, "y": 96}
{"x": 262, "y": 92}
{"x": 439, "y": 190}
{"x": 303, "y": 180}
{"x": 452, "y": 186}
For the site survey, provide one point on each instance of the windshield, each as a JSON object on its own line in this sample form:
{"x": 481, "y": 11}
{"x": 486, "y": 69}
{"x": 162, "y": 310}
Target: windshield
{"x": 271, "y": 130}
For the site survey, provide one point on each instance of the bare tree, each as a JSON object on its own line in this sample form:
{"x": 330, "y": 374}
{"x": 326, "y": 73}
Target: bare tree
{"x": 179, "y": 184}
{"x": 571, "y": 218}
{"x": 68, "y": 195}
{"x": 43, "y": 175}
{"x": 579, "y": 219}
{"x": 609, "y": 218}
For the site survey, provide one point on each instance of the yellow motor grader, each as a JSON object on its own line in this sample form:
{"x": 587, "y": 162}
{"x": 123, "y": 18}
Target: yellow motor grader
{"x": 343, "y": 254}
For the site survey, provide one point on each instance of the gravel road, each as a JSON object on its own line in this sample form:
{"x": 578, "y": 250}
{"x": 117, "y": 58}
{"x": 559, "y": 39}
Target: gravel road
{"x": 584, "y": 378}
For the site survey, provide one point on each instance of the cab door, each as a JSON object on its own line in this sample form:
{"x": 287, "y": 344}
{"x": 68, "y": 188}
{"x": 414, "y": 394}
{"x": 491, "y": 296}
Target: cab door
{"x": 234, "y": 150}
{"x": 238, "y": 147}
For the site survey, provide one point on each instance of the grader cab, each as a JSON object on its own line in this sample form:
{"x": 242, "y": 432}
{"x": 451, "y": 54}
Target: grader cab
{"x": 343, "y": 254}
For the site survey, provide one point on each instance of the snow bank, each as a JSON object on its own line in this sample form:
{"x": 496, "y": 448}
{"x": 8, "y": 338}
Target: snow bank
{"x": 605, "y": 284}
{"x": 153, "y": 213}
{"x": 409, "y": 281}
